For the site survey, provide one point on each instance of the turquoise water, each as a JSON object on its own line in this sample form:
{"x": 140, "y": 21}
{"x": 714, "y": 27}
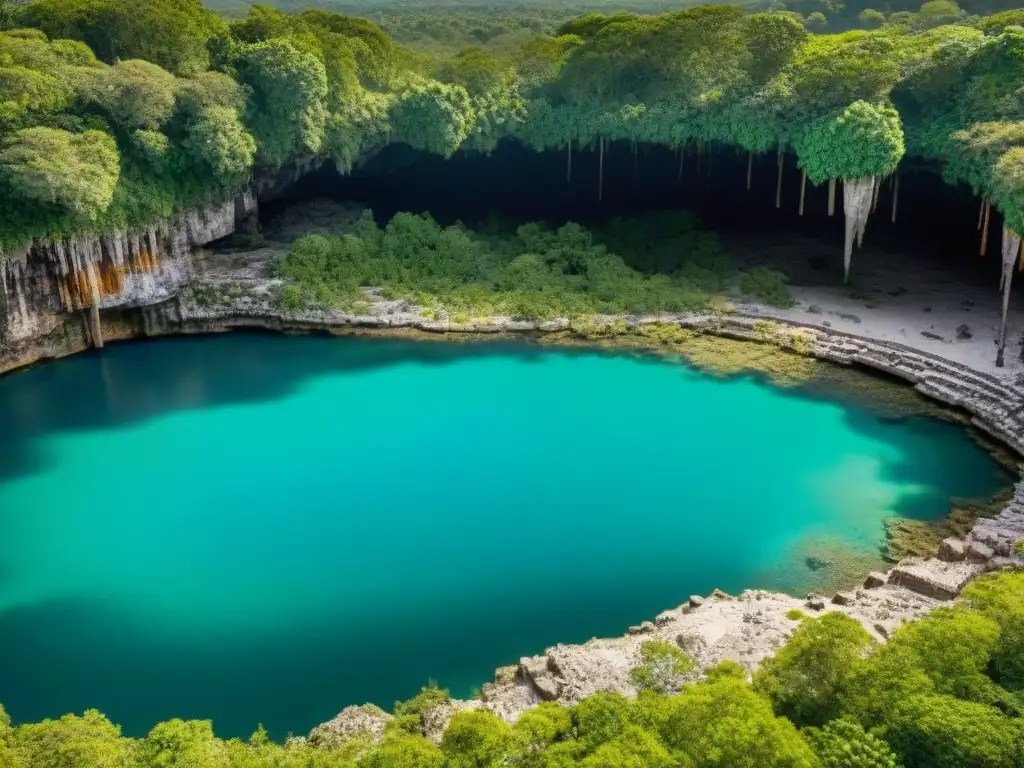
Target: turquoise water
{"x": 255, "y": 528}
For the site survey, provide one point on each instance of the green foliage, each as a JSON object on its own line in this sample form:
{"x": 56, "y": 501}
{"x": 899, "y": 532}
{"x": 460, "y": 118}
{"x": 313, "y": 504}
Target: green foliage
{"x": 795, "y": 614}
{"x": 725, "y": 724}
{"x": 937, "y": 731}
{"x": 287, "y": 112}
{"x": 768, "y": 285}
{"x": 861, "y": 140}
{"x": 404, "y": 751}
{"x": 324, "y": 83}
{"x": 136, "y": 94}
{"x": 429, "y": 697}
{"x": 663, "y": 667}
{"x": 1000, "y": 598}
{"x": 476, "y": 740}
{"x": 808, "y": 676}
{"x": 542, "y": 725}
{"x": 169, "y": 33}
{"x": 726, "y": 670}
{"x": 217, "y": 140}
{"x": 180, "y": 744}
{"x": 844, "y": 744}
{"x": 74, "y": 172}
{"x": 537, "y": 273}
{"x": 89, "y": 741}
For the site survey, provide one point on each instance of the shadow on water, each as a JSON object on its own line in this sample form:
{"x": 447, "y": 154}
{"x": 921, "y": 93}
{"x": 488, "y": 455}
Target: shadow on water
{"x": 133, "y": 382}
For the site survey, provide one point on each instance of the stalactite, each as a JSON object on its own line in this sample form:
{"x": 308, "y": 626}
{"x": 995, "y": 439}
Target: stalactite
{"x": 831, "y": 197}
{"x": 92, "y": 282}
{"x": 1010, "y": 249}
{"x": 874, "y": 195}
{"x": 568, "y": 170}
{"x": 856, "y": 207}
{"x": 750, "y": 168}
{"x": 600, "y": 170}
{"x": 803, "y": 187}
{"x": 983, "y": 250}
{"x": 895, "y": 195}
{"x": 778, "y": 181}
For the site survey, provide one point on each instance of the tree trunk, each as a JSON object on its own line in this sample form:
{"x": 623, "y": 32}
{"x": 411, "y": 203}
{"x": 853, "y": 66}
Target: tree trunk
{"x": 856, "y": 206}
{"x": 750, "y": 168}
{"x": 803, "y": 186}
{"x": 1011, "y": 246}
{"x": 568, "y": 169}
{"x": 895, "y": 196}
{"x": 778, "y": 180}
{"x": 984, "y": 229}
{"x": 831, "y": 197}
{"x": 981, "y": 212}
{"x": 600, "y": 170}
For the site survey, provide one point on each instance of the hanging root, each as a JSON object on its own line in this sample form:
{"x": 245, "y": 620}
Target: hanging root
{"x": 803, "y": 186}
{"x": 1010, "y": 249}
{"x": 778, "y": 182}
{"x": 895, "y": 195}
{"x": 831, "y": 197}
{"x": 983, "y": 250}
{"x": 857, "y": 196}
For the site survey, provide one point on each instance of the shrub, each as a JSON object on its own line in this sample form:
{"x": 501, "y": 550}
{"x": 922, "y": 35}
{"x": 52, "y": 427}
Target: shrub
{"x": 809, "y": 674}
{"x": 768, "y": 285}
{"x": 844, "y": 744}
{"x": 663, "y": 667}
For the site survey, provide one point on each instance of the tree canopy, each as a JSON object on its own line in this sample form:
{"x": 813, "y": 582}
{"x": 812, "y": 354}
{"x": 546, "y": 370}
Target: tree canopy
{"x": 944, "y": 87}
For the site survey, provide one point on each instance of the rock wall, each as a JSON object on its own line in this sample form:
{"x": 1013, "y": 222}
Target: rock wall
{"x": 52, "y": 291}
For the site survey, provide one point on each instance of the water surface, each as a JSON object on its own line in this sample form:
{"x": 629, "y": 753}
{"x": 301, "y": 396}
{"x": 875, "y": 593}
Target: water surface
{"x": 254, "y": 528}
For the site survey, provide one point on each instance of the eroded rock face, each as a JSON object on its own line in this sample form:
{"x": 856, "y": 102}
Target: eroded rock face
{"x": 48, "y": 284}
{"x": 368, "y": 721}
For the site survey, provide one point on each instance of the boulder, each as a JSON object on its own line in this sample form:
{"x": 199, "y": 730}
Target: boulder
{"x": 844, "y": 598}
{"x": 718, "y": 594}
{"x": 934, "y": 578}
{"x": 978, "y": 552}
{"x": 874, "y": 580}
{"x": 352, "y": 721}
{"x": 663, "y": 618}
{"x": 695, "y": 601}
{"x": 537, "y": 671}
{"x": 691, "y": 642}
{"x": 815, "y": 602}
{"x": 952, "y": 550}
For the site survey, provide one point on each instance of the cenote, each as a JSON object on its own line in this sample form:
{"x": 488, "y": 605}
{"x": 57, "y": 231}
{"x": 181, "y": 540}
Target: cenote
{"x": 253, "y": 528}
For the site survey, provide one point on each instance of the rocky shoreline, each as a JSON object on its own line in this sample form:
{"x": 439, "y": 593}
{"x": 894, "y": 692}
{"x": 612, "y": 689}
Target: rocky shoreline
{"x": 63, "y": 298}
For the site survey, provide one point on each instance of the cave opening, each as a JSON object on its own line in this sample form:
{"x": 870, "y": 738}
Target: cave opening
{"x": 515, "y": 184}
{"x": 931, "y": 253}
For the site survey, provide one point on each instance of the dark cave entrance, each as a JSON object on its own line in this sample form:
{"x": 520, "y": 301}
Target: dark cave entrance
{"x": 515, "y": 184}
{"x": 925, "y": 267}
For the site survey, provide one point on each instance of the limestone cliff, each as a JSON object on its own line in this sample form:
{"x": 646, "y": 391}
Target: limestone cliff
{"x": 52, "y": 290}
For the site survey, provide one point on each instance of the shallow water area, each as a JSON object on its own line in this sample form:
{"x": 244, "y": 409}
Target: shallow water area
{"x": 266, "y": 529}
